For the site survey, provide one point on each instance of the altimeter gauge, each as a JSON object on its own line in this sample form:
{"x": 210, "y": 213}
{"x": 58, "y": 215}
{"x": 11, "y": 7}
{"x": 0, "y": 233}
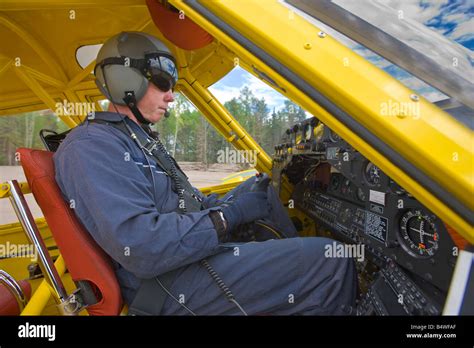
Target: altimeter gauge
{"x": 418, "y": 234}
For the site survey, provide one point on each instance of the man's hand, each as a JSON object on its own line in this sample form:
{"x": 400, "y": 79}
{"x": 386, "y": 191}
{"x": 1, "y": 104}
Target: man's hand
{"x": 211, "y": 201}
{"x": 247, "y": 207}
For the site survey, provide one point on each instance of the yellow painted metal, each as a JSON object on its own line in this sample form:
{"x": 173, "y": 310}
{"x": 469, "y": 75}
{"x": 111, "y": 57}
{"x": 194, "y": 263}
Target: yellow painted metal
{"x": 72, "y": 97}
{"x": 219, "y": 117}
{"x": 42, "y": 94}
{"x": 5, "y": 189}
{"x": 15, "y": 5}
{"x": 42, "y": 51}
{"x": 41, "y": 77}
{"x": 360, "y": 89}
{"x": 38, "y": 300}
{"x": 51, "y": 65}
{"x": 25, "y": 102}
{"x": 42, "y": 295}
{"x": 12, "y": 234}
{"x": 219, "y": 189}
{"x": 240, "y": 176}
{"x": 81, "y": 75}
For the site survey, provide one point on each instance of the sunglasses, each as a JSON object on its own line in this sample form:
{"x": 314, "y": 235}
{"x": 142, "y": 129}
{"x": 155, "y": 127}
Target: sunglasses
{"x": 160, "y": 69}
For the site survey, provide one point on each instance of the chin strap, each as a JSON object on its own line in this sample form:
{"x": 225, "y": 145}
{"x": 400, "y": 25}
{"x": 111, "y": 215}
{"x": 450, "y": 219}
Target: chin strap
{"x": 131, "y": 102}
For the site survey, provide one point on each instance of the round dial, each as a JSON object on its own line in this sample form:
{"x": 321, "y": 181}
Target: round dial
{"x": 361, "y": 195}
{"x": 335, "y": 183}
{"x": 346, "y": 188}
{"x": 308, "y": 130}
{"x": 334, "y": 137}
{"x": 372, "y": 174}
{"x": 418, "y": 234}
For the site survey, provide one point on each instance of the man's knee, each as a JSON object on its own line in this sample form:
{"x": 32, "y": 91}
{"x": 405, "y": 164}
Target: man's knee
{"x": 328, "y": 253}
{"x": 331, "y": 270}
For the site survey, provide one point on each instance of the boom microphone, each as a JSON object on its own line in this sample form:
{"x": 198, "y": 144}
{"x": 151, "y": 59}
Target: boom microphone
{"x": 167, "y": 114}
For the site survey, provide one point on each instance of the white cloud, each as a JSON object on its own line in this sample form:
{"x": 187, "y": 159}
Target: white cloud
{"x": 258, "y": 88}
{"x": 412, "y": 9}
{"x": 224, "y": 93}
{"x": 411, "y": 29}
{"x": 455, "y": 17}
{"x": 463, "y": 30}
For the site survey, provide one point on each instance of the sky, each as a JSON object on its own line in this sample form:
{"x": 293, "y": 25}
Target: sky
{"x": 440, "y": 20}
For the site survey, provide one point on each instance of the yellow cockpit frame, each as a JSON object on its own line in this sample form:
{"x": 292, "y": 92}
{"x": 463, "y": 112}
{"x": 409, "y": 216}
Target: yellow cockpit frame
{"x": 38, "y": 69}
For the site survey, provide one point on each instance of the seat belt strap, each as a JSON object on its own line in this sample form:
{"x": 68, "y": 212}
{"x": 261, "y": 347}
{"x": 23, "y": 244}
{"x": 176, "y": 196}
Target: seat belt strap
{"x": 151, "y": 295}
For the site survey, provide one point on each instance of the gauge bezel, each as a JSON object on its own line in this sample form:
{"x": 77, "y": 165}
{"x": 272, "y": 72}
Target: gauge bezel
{"x": 365, "y": 175}
{"x": 335, "y": 181}
{"x": 333, "y": 136}
{"x": 360, "y": 189}
{"x": 407, "y": 243}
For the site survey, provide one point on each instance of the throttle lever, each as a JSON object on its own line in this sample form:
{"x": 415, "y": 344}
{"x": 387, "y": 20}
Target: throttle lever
{"x": 261, "y": 182}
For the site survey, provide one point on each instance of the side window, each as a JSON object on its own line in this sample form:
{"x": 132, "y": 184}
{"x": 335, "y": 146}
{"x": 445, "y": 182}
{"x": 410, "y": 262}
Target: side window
{"x": 22, "y": 130}
{"x": 264, "y": 113}
{"x": 261, "y": 110}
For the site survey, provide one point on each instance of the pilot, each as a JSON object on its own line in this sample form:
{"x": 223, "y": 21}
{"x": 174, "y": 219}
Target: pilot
{"x": 176, "y": 251}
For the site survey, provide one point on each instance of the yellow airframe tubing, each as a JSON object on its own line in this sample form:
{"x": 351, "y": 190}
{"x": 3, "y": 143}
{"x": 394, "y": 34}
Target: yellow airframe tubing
{"x": 34, "y": 43}
{"x": 218, "y": 116}
{"x": 41, "y": 296}
{"x": 244, "y": 142}
{"x": 42, "y": 94}
{"x": 367, "y": 88}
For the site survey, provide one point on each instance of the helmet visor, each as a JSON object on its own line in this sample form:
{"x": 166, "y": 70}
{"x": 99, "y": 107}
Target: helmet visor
{"x": 161, "y": 71}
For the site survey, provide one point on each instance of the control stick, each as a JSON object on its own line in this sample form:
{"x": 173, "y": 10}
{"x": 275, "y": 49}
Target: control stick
{"x": 261, "y": 182}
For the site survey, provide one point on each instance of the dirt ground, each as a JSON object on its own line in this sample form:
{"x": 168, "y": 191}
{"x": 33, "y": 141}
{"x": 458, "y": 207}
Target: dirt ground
{"x": 197, "y": 173}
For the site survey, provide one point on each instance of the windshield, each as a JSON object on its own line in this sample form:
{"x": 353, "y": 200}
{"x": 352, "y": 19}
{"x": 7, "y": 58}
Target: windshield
{"x": 261, "y": 110}
{"x": 440, "y": 32}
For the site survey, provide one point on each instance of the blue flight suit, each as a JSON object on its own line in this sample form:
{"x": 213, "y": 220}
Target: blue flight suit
{"x": 126, "y": 202}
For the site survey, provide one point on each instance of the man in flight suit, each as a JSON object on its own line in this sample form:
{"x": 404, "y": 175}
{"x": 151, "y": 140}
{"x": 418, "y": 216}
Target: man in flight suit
{"x": 162, "y": 234}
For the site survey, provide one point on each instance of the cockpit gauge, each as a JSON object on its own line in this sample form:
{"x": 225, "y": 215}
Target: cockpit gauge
{"x": 308, "y": 131}
{"x": 333, "y": 136}
{"x": 372, "y": 174}
{"x": 361, "y": 195}
{"x": 418, "y": 234}
{"x": 346, "y": 188}
{"x": 335, "y": 183}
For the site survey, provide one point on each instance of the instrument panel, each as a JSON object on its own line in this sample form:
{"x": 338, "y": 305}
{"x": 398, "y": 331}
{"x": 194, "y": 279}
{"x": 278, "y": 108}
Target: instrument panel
{"x": 410, "y": 251}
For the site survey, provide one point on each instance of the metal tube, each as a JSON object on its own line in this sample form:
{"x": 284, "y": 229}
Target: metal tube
{"x": 39, "y": 299}
{"x": 15, "y": 288}
{"x": 27, "y": 221}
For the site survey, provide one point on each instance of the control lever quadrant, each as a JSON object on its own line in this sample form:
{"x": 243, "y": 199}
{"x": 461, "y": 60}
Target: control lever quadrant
{"x": 261, "y": 182}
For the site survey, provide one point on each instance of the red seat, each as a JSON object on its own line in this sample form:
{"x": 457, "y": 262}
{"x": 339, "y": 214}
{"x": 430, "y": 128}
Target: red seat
{"x": 85, "y": 260}
{"x": 8, "y": 302}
